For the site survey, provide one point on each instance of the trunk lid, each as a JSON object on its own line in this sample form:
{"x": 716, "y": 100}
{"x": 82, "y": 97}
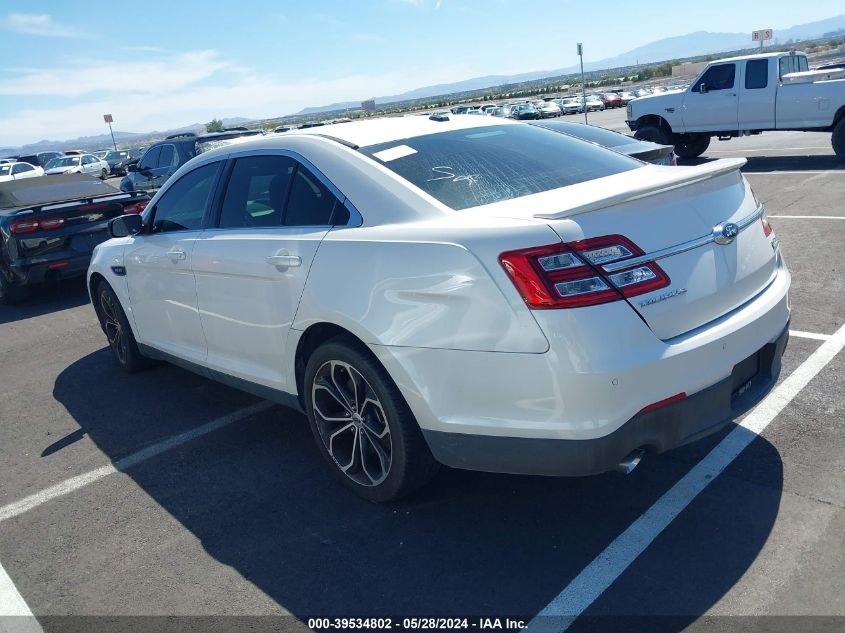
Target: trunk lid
{"x": 676, "y": 212}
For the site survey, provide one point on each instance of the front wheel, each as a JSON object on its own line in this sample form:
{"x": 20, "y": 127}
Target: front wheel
{"x": 362, "y": 424}
{"x": 691, "y": 145}
{"x": 652, "y": 133}
{"x": 103, "y": 174}
{"x": 837, "y": 139}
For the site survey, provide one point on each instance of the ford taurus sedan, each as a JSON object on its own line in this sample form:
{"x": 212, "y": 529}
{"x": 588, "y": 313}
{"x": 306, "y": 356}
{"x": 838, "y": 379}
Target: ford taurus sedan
{"x": 455, "y": 290}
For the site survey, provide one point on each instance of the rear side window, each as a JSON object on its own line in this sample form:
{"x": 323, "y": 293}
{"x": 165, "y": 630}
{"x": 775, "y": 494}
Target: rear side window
{"x": 483, "y": 165}
{"x": 255, "y": 195}
{"x": 167, "y": 158}
{"x": 756, "y": 74}
{"x": 718, "y": 77}
{"x": 183, "y": 205}
{"x": 310, "y": 203}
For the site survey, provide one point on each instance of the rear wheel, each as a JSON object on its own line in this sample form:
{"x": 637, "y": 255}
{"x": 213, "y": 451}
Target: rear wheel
{"x": 103, "y": 174}
{"x": 362, "y": 424}
{"x": 118, "y": 333}
{"x": 690, "y": 145}
{"x": 837, "y": 139}
{"x": 652, "y": 133}
{"x": 11, "y": 294}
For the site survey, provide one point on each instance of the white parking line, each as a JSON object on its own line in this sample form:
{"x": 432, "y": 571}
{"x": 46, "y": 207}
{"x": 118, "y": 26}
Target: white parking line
{"x": 809, "y": 217}
{"x": 765, "y": 149}
{"x": 596, "y": 577}
{"x": 779, "y": 172}
{"x": 15, "y": 616}
{"x": 812, "y": 335}
{"x": 75, "y": 483}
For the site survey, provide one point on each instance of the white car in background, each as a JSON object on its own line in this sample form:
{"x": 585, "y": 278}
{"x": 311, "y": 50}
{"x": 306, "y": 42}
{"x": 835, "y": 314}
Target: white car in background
{"x": 18, "y": 171}
{"x": 82, "y": 164}
{"x": 456, "y": 290}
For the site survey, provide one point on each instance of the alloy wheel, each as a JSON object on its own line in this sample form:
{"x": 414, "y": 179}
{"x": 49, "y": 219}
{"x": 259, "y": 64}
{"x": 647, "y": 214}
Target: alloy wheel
{"x": 352, "y": 423}
{"x": 112, "y": 326}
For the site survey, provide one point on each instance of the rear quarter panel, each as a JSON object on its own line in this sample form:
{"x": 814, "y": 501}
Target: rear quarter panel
{"x": 424, "y": 286}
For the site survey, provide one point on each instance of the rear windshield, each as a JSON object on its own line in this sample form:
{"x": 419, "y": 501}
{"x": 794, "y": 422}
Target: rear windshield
{"x": 481, "y": 165}
{"x": 589, "y": 133}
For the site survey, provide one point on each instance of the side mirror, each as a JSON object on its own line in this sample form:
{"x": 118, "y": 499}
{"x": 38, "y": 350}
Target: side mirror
{"x": 126, "y": 225}
{"x": 702, "y": 88}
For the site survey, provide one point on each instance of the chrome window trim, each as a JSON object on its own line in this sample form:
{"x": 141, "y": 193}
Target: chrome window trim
{"x": 683, "y": 247}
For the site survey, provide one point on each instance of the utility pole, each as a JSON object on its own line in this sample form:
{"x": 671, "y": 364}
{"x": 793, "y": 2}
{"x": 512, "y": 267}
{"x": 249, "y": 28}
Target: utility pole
{"x": 583, "y": 85}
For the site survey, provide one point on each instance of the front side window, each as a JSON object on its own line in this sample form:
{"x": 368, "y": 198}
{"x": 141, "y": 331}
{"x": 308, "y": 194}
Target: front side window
{"x": 255, "y": 195}
{"x": 756, "y": 74}
{"x": 183, "y": 205}
{"x": 718, "y": 77}
{"x": 478, "y": 166}
{"x": 150, "y": 159}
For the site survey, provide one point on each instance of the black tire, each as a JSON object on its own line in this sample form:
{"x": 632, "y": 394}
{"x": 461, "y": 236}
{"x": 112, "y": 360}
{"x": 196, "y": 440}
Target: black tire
{"x": 103, "y": 174}
{"x": 837, "y": 139}
{"x": 118, "y": 332}
{"x": 690, "y": 145}
{"x": 11, "y": 294}
{"x": 381, "y": 421}
{"x": 652, "y": 133}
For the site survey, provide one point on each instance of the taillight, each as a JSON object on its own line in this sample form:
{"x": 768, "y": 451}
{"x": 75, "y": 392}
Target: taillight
{"x": 32, "y": 224}
{"x": 136, "y": 208}
{"x": 570, "y": 276}
{"x": 767, "y": 228}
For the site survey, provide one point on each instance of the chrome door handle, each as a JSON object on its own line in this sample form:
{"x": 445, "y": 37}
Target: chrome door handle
{"x": 176, "y": 254}
{"x": 286, "y": 261}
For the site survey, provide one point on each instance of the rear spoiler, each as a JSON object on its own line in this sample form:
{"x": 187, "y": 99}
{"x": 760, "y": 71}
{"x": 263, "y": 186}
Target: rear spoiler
{"x": 670, "y": 178}
{"x": 122, "y": 198}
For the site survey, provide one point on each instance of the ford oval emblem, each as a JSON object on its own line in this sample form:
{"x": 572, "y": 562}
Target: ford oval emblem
{"x": 725, "y": 233}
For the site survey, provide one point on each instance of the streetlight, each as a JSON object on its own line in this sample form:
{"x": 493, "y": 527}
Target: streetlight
{"x": 583, "y": 85}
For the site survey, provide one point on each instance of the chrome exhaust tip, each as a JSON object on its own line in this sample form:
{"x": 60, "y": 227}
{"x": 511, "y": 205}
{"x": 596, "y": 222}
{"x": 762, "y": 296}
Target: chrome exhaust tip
{"x": 630, "y": 461}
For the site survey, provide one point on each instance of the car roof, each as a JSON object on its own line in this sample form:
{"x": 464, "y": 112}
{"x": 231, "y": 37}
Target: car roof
{"x": 373, "y": 131}
{"x": 740, "y": 58}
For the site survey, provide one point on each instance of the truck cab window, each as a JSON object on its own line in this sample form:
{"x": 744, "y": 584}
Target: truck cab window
{"x": 718, "y": 77}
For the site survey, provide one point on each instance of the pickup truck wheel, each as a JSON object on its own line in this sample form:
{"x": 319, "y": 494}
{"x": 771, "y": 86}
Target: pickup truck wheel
{"x": 837, "y": 139}
{"x": 362, "y": 424}
{"x": 652, "y": 133}
{"x": 118, "y": 332}
{"x": 11, "y": 294}
{"x": 691, "y": 145}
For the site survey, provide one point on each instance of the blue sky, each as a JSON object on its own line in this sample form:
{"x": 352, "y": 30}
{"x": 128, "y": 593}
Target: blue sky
{"x": 161, "y": 64}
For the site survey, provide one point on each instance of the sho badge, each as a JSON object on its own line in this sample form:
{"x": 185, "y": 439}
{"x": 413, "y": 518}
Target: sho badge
{"x": 663, "y": 297}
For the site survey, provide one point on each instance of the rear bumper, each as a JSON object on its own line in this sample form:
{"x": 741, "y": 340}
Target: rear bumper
{"x": 674, "y": 425}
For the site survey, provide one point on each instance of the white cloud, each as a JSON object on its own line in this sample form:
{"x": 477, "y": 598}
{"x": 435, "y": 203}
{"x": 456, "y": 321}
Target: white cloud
{"x": 178, "y": 89}
{"x": 38, "y": 24}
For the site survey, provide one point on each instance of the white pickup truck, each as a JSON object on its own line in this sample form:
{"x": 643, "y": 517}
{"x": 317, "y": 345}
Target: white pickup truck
{"x": 741, "y": 96}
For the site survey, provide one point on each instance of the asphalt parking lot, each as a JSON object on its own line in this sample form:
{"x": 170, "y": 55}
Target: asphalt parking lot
{"x": 164, "y": 494}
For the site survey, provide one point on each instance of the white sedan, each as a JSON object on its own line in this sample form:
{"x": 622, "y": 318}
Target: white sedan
{"x": 19, "y": 171}
{"x": 456, "y": 290}
{"x": 81, "y": 164}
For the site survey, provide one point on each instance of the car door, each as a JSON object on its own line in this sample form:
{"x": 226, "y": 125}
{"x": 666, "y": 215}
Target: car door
{"x": 23, "y": 170}
{"x": 162, "y": 289}
{"x": 87, "y": 164}
{"x": 251, "y": 269}
{"x": 142, "y": 177}
{"x": 165, "y": 167}
{"x": 716, "y": 108}
{"x": 757, "y": 98}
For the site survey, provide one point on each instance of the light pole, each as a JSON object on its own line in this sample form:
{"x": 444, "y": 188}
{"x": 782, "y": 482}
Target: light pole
{"x": 583, "y": 85}
{"x": 108, "y": 119}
